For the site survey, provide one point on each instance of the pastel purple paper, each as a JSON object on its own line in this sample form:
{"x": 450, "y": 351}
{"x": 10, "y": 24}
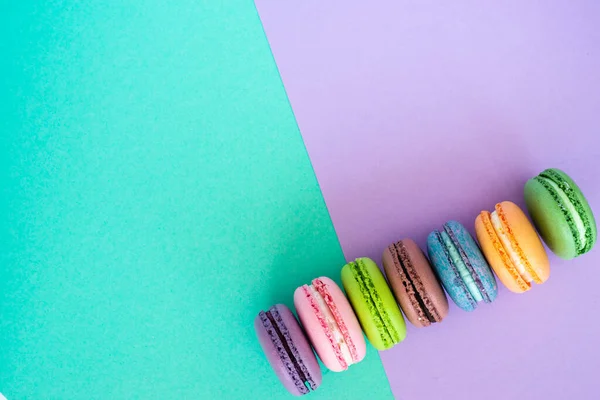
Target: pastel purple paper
{"x": 417, "y": 112}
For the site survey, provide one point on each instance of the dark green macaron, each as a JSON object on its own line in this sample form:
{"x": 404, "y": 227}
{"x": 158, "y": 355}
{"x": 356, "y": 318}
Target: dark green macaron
{"x": 561, "y": 213}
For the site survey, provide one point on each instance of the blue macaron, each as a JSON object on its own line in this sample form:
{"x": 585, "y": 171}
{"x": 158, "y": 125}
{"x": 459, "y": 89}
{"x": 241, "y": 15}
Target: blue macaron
{"x": 461, "y": 267}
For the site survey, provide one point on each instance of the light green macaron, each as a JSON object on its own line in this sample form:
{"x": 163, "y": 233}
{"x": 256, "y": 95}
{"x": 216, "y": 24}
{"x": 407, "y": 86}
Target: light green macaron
{"x": 374, "y": 303}
{"x": 561, "y": 213}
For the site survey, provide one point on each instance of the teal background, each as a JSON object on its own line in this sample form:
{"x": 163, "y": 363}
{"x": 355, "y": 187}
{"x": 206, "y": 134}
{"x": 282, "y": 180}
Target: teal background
{"x": 156, "y": 194}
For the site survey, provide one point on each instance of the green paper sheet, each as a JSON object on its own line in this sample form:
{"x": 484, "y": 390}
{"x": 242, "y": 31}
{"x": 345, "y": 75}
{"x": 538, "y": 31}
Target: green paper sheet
{"x": 156, "y": 195}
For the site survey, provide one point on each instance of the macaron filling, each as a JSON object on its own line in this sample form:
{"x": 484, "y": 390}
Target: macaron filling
{"x": 287, "y": 351}
{"x": 412, "y": 283}
{"x": 332, "y": 323}
{"x": 389, "y": 335}
{"x": 462, "y": 268}
{"x": 571, "y": 207}
{"x": 511, "y": 248}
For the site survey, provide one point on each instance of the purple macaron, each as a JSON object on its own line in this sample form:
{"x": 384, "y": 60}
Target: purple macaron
{"x": 288, "y": 350}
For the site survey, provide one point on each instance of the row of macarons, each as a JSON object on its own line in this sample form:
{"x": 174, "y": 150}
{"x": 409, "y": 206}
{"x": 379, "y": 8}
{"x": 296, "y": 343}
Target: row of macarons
{"x": 509, "y": 245}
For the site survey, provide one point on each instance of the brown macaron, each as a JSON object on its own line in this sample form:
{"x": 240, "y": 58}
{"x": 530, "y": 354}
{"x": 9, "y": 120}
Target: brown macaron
{"x": 414, "y": 284}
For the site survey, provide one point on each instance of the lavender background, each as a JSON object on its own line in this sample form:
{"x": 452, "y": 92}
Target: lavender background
{"x": 416, "y": 112}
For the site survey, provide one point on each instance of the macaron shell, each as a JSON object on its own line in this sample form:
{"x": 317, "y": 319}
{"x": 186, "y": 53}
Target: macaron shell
{"x": 314, "y": 330}
{"x": 348, "y": 316}
{"x": 449, "y": 278}
{"x": 301, "y": 343}
{"x": 476, "y": 258}
{"x": 362, "y": 309}
{"x": 304, "y": 351}
{"x": 549, "y": 219}
{"x": 432, "y": 289}
{"x": 528, "y": 239}
{"x": 500, "y": 262}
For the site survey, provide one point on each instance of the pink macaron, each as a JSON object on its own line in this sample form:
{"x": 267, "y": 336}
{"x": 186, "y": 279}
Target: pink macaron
{"x": 330, "y": 324}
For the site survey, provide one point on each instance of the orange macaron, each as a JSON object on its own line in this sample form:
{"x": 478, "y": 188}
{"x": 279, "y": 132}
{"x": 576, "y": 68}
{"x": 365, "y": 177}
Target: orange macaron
{"x": 512, "y": 247}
